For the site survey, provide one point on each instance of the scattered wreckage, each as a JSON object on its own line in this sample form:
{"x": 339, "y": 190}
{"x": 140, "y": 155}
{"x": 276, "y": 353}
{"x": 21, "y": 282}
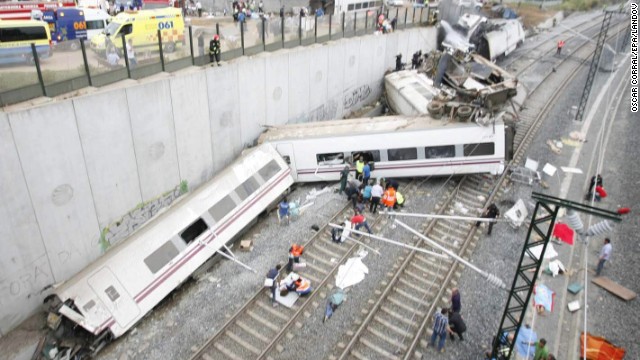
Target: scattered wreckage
{"x": 491, "y": 38}
{"x": 464, "y": 87}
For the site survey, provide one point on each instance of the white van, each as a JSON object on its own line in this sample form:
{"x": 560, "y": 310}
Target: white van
{"x": 97, "y": 20}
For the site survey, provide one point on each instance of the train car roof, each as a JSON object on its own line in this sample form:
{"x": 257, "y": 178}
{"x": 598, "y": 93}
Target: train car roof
{"x": 361, "y": 126}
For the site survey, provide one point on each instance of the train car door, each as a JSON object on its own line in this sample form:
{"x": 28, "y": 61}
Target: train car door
{"x": 286, "y": 151}
{"x": 114, "y": 296}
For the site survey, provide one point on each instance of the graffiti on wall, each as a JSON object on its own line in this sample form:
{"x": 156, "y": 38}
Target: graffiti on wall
{"x": 26, "y": 282}
{"x": 325, "y": 111}
{"x": 131, "y": 221}
{"x": 355, "y": 96}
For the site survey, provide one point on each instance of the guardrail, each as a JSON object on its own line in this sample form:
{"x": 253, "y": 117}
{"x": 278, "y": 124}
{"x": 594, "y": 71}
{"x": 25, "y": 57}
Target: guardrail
{"x": 73, "y": 65}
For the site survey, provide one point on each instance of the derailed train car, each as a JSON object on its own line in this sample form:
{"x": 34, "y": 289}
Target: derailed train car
{"x": 111, "y": 295}
{"x": 501, "y": 37}
{"x": 399, "y": 146}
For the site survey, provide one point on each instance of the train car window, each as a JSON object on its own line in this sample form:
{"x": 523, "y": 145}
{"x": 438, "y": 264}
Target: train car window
{"x": 369, "y": 155}
{"x": 247, "y": 188}
{"x": 402, "y": 154}
{"x": 112, "y": 293}
{"x": 330, "y": 159}
{"x": 439, "y": 152}
{"x": 479, "y": 149}
{"x": 95, "y": 25}
{"x": 222, "y": 208}
{"x": 161, "y": 257}
{"x": 270, "y": 170}
{"x": 88, "y": 306}
{"x": 350, "y": 7}
{"x": 194, "y": 230}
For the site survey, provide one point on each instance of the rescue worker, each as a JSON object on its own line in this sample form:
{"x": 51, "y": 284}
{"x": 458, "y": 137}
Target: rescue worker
{"x": 376, "y": 194}
{"x": 288, "y": 283}
{"x": 596, "y": 181}
{"x": 273, "y": 275}
{"x": 303, "y": 286}
{"x": 389, "y": 198}
{"x": 399, "y": 200}
{"x": 358, "y": 220}
{"x": 491, "y": 212}
{"x": 560, "y": 46}
{"x": 359, "y": 168}
{"x": 344, "y": 176}
{"x": 283, "y": 211}
{"x": 366, "y": 173}
{"x": 214, "y": 49}
{"x": 366, "y": 192}
{"x": 336, "y": 234}
{"x": 399, "y": 64}
{"x": 294, "y": 255}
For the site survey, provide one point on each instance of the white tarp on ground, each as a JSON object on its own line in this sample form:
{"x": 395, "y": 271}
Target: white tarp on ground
{"x": 351, "y": 273}
{"x": 288, "y": 300}
{"x": 549, "y": 254}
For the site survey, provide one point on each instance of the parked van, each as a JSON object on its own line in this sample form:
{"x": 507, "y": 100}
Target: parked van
{"x": 73, "y": 23}
{"x": 16, "y": 37}
{"x": 142, "y": 27}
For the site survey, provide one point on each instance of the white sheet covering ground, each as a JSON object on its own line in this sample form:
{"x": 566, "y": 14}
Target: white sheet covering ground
{"x": 549, "y": 254}
{"x": 288, "y": 300}
{"x": 351, "y": 273}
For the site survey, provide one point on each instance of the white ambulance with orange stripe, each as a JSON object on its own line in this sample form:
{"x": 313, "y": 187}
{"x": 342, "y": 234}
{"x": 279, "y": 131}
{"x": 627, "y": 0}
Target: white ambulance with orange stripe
{"x": 142, "y": 27}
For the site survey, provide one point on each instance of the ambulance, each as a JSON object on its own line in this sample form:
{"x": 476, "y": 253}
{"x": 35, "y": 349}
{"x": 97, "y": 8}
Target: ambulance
{"x": 142, "y": 28}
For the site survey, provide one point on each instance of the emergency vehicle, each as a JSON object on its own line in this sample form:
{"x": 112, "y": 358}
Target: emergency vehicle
{"x": 142, "y": 27}
{"x": 72, "y": 23}
{"x": 16, "y": 37}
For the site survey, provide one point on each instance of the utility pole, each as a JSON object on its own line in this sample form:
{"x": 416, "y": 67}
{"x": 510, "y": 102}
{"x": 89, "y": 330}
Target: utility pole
{"x": 595, "y": 60}
{"x": 542, "y": 222}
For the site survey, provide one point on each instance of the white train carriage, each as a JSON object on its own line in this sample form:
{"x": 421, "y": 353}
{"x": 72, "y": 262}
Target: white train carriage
{"x": 109, "y": 296}
{"x": 399, "y": 146}
{"x": 506, "y": 37}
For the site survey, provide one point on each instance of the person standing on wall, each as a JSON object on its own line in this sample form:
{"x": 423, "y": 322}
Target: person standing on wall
{"x": 214, "y": 49}
{"x": 199, "y": 8}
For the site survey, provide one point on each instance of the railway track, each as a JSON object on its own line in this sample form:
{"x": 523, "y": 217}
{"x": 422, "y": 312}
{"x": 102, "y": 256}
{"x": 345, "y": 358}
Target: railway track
{"x": 528, "y": 55}
{"x": 256, "y": 329}
{"x": 397, "y": 320}
{"x": 395, "y": 326}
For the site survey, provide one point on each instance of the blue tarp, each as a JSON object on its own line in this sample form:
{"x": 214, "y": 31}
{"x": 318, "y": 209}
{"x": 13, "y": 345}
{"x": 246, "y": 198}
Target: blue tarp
{"x": 525, "y": 336}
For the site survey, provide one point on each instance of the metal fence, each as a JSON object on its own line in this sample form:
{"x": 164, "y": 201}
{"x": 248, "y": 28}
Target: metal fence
{"x": 74, "y": 65}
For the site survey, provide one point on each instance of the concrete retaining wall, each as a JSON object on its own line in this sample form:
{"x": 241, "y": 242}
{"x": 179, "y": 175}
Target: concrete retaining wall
{"x": 81, "y": 174}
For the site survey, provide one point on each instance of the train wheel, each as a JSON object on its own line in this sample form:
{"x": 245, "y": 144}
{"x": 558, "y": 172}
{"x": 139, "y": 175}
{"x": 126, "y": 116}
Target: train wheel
{"x": 464, "y": 112}
{"x": 435, "y": 109}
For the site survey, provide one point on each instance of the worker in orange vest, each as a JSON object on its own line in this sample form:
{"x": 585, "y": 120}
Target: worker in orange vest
{"x": 303, "y": 286}
{"x": 294, "y": 255}
{"x": 389, "y": 198}
{"x": 560, "y": 45}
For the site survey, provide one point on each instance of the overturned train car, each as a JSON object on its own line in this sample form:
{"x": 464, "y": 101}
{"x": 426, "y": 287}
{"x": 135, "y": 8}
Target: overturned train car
{"x": 111, "y": 295}
{"x": 399, "y": 146}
